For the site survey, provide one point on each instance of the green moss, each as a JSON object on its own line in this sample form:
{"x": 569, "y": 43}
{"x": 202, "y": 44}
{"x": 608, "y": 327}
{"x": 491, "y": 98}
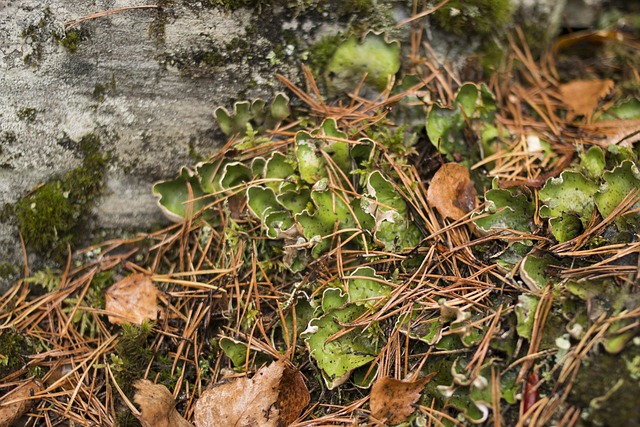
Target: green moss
{"x": 133, "y": 354}
{"x": 473, "y": 17}
{"x": 15, "y": 350}
{"x": 321, "y": 52}
{"x": 350, "y": 7}
{"x": 27, "y": 114}
{"x": 605, "y": 390}
{"x": 250, "y": 30}
{"x": 237, "y": 43}
{"x": 100, "y": 91}
{"x": 8, "y": 137}
{"x": 231, "y": 5}
{"x": 46, "y": 217}
{"x": 71, "y": 40}
{"x": 212, "y": 58}
{"x": 8, "y": 270}
{"x": 50, "y": 214}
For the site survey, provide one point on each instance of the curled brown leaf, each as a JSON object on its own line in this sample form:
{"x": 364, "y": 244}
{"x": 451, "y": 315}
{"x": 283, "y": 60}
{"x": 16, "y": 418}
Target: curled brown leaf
{"x": 157, "y": 406}
{"x": 17, "y": 402}
{"x": 392, "y": 400}
{"x": 582, "y": 96}
{"x": 452, "y": 192}
{"x": 133, "y": 299}
{"x": 274, "y": 397}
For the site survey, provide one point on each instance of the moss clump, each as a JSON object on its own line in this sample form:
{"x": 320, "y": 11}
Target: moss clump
{"x": 606, "y": 390}
{"x": 7, "y": 270}
{"x": 133, "y": 354}
{"x": 100, "y": 91}
{"x": 27, "y": 114}
{"x": 211, "y": 58}
{"x": 49, "y": 215}
{"x": 15, "y": 350}
{"x": 71, "y": 40}
{"x": 9, "y": 137}
{"x": 357, "y": 7}
{"x": 231, "y": 5}
{"x": 473, "y": 17}
{"x": 46, "y": 216}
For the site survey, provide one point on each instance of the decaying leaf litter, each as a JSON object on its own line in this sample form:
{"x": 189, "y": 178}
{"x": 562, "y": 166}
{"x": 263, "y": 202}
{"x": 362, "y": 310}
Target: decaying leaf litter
{"x": 326, "y": 244}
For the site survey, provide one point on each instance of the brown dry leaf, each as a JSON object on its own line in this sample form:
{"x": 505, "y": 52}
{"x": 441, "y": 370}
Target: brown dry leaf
{"x": 157, "y": 406}
{"x": 20, "y": 396}
{"x": 625, "y": 132}
{"x": 274, "y": 397}
{"x": 452, "y": 192}
{"x": 392, "y": 400}
{"x": 133, "y": 299}
{"x": 582, "y": 96}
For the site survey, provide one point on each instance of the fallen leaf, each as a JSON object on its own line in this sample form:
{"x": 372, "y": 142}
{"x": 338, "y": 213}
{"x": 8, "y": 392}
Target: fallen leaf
{"x": 274, "y": 397}
{"x": 157, "y": 406}
{"x": 452, "y": 192}
{"x": 133, "y": 299}
{"x": 582, "y": 96}
{"x": 293, "y": 396}
{"x": 625, "y": 132}
{"x": 392, "y": 400}
{"x": 17, "y": 402}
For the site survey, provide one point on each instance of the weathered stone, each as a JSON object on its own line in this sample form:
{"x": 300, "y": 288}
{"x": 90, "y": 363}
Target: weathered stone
{"x": 145, "y": 81}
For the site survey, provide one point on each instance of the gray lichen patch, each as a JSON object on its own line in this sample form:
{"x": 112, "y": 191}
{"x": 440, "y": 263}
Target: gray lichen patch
{"x": 213, "y": 44}
{"x": 38, "y": 29}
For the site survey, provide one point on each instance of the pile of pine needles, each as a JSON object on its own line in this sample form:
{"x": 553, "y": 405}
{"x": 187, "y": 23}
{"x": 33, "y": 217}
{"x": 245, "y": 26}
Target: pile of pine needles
{"x": 212, "y": 283}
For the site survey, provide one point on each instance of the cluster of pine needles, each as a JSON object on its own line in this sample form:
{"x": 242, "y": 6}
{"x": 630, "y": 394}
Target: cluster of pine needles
{"x": 214, "y": 284}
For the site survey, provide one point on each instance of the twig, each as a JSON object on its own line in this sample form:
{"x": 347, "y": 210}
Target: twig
{"x": 73, "y": 22}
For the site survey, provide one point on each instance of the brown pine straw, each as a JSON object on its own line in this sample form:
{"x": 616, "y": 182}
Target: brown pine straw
{"x": 73, "y": 22}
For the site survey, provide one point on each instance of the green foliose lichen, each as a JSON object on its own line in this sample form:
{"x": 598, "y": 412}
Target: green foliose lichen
{"x": 299, "y": 195}
{"x": 373, "y": 56}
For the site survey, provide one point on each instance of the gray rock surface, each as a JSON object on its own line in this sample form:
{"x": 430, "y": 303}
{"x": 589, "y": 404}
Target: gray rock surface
{"x": 146, "y": 81}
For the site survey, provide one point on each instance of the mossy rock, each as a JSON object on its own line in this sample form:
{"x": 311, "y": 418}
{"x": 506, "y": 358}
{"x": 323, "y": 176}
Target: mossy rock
{"x": 474, "y": 18}
{"x": 49, "y": 215}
